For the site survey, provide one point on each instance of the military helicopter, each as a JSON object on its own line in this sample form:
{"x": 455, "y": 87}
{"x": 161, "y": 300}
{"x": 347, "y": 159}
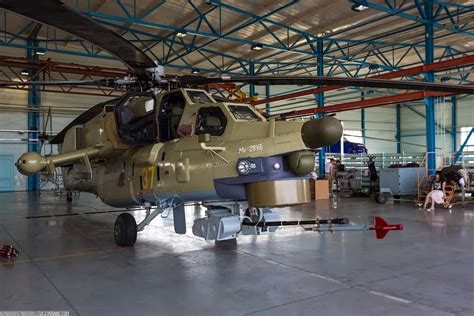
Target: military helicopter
{"x": 167, "y": 142}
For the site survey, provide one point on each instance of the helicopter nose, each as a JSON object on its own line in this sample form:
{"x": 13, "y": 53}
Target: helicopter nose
{"x": 321, "y": 132}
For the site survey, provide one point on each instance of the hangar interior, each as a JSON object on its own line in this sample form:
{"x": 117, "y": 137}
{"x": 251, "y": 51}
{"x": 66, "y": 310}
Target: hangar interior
{"x": 68, "y": 259}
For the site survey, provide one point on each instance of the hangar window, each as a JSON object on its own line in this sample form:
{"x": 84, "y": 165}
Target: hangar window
{"x": 353, "y": 135}
{"x": 470, "y": 143}
{"x": 210, "y": 121}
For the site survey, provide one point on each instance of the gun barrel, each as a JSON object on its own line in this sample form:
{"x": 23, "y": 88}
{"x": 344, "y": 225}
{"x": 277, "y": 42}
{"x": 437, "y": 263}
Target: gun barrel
{"x": 32, "y": 162}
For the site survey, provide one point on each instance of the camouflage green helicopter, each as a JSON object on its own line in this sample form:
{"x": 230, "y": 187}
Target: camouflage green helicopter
{"x": 165, "y": 143}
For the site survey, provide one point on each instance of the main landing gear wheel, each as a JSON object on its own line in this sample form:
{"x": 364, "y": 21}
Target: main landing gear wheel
{"x": 381, "y": 198}
{"x": 125, "y": 230}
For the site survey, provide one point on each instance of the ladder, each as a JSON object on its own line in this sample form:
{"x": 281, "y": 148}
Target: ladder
{"x": 450, "y": 191}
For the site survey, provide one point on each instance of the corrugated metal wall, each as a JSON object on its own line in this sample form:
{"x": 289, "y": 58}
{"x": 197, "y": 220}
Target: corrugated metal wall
{"x": 14, "y": 117}
{"x": 413, "y": 124}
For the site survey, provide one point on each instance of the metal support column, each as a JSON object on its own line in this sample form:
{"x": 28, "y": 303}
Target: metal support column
{"x": 362, "y": 118}
{"x": 252, "y": 73}
{"x": 267, "y": 95}
{"x": 454, "y": 121}
{"x": 398, "y": 135}
{"x": 429, "y": 77}
{"x": 34, "y": 103}
{"x": 320, "y": 101}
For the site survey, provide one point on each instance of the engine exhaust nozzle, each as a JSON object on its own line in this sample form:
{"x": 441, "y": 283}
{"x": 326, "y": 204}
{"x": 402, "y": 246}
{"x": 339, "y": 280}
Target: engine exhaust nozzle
{"x": 321, "y": 132}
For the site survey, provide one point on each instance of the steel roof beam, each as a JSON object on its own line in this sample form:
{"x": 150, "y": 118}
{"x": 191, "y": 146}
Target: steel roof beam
{"x": 244, "y": 25}
{"x": 199, "y": 33}
{"x": 240, "y": 22}
{"x": 373, "y": 39}
{"x": 401, "y": 9}
{"x": 464, "y": 61}
{"x": 170, "y": 43}
{"x": 388, "y": 100}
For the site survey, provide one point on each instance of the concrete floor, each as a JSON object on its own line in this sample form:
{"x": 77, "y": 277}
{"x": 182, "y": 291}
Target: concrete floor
{"x": 70, "y": 263}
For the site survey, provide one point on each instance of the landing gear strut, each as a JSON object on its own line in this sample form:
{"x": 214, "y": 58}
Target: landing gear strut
{"x": 125, "y": 230}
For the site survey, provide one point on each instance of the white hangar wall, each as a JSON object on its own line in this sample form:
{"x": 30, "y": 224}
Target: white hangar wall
{"x": 414, "y": 129}
{"x": 13, "y": 116}
{"x": 380, "y": 122}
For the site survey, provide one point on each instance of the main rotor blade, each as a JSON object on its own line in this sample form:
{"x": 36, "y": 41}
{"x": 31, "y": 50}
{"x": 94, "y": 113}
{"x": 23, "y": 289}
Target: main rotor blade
{"x": 332, "y": 81}
{"x": 98, "y": 82}
{"x": 56, "y": 14}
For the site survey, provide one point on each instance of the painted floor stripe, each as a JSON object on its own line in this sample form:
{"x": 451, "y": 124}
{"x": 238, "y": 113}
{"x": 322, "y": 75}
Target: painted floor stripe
{"x": 289, "y": 267}
{"x": 325, "y": 278}
{"x": 390, "y": 297}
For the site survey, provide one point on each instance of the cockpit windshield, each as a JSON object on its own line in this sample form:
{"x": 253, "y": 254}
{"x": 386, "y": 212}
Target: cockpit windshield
{"x": 135, "y": 116}
{"x": 136, "y": 107}
{"x": 243, "y": 112}
{"x": 199, "y": 97}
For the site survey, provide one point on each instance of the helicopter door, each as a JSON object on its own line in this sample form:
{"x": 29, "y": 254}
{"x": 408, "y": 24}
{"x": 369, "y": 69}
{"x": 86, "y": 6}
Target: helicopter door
{"x": 136, "y": 121}
{"x": 171, "y": 111}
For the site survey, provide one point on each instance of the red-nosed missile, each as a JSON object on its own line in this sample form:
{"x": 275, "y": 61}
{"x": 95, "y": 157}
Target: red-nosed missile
{"x": 381, "y": 227}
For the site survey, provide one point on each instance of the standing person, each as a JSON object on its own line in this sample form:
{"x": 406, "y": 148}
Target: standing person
{"x": 372, "y": 174}
{"x": 436, "y": 195}
{"x": 328, "y": 166}
{"x": 330, "y": 173}
{"x": 337, "y": 167}
{"x": 464, "y": 181}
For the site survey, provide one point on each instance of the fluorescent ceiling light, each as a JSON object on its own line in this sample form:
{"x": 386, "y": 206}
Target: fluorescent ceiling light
{"x": 257, "y": 47}
{"x": 181, "y": 34}
{"x": 357, "y": 7}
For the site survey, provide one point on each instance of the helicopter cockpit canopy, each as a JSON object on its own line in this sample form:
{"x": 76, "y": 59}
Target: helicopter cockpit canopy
{"x": 171, "y": 110}
{"x": 244, "y": 113}
{"x": 136, "y": 122}
{"x": 199, "y": 96}
{"x": 211, "y": 120}
{"x": 140, "y": 120}
{"x": 146, "y": 118}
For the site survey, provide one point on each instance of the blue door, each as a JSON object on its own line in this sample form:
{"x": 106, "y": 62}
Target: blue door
{"x": 6, "y": 172}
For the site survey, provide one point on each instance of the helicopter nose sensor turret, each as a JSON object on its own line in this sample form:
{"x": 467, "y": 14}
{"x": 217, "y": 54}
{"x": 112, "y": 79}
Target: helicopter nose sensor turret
{"x": 31, "y": 162}
{"x": 321, "y": 132}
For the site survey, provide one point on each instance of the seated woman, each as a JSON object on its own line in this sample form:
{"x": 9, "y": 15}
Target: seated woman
{"x": 464, "y": 181}
{"x": 437, "y": 195}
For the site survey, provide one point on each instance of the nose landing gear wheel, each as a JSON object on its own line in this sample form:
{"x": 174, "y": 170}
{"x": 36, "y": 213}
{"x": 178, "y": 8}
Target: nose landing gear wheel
{"x": 125, "y": 230}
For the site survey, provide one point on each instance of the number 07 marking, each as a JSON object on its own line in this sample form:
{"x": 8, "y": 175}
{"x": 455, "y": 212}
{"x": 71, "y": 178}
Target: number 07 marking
{"x": 148, "y": 176}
